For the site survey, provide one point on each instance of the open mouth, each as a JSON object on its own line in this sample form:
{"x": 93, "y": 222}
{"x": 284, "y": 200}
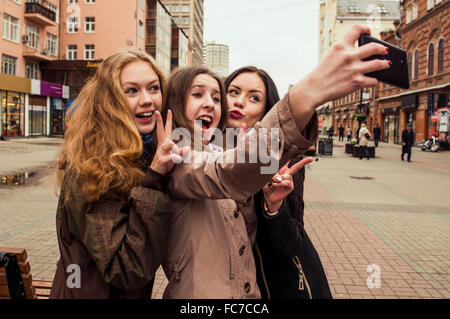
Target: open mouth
{"x": 235, "y": 114}
{"x": 206, "y": 121}
{"x": 145, "y": 117}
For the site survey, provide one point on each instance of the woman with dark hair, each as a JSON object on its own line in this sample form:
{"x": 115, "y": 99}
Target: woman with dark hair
{"x": 287, "y": 264}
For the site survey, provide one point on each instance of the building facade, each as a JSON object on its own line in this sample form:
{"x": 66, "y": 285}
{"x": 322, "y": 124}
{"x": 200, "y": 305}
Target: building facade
{"x": 336, "y": 18}
{"x": 189, "y": 15}
{"x": 424, "y": 34}
{"x": 217, "y": 58}
{"x": 180, "y": 48}
{"x": 30, "y": 38}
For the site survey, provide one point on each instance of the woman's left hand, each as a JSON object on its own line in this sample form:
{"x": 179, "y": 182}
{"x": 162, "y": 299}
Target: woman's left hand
{"x": 282, "y": 184}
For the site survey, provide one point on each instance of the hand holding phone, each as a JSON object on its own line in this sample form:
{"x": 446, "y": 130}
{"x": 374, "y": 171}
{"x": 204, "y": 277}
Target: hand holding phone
{"x": 397, "y": 74}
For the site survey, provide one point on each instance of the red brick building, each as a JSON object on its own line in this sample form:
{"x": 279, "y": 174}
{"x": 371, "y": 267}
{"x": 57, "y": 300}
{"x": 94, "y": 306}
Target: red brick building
{"x": 424, "y": 33}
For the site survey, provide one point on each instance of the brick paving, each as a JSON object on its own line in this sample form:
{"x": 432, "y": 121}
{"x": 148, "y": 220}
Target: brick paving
{"x": 399, "y": 220}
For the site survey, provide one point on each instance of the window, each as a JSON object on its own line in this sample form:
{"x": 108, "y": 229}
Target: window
{"x": 72, "y": 24}
{"x": 10, "y": 28}
{"x": 185, "y": 8}
{"x": 71, "y": 52}
{"x": 415, "y": 9}
{"x": 17, "y": 1}
{"x": 33, "y": 37}
{"x": 185, "y": 20}
{"x": 90, "y": 1}
{"x": 89, "y": 52}
{"x": 141, "y": 29}
{"x": 186, "y": 31}
{"x": 440, "y": 56}
{"x": 51, "y": 45}
{"x": 32, "y": 70}
{"x": 416, "y": 64}
{"x": 9, "y": 64}
{"x": 72, "y": 1}
{"x": 55, "y": 9}
{"x": 430, "y": 4}
{"x": 382, "y": 9}
{"x": 89, "y": 24}
{"x": 175, "y": 8}
{"x": 141, "y": 4}
{"x": 408, "y": 13}
{"x": 431, "y": 59}
{"x": 409, "y": 65}
{"x": 176, "y": 20}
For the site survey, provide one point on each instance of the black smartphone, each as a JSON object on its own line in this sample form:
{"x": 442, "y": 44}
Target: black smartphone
{"x": 397, "y": 74}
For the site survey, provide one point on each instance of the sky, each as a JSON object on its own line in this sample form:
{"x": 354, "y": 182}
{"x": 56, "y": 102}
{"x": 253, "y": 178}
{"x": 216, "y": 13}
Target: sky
{"x": 279, "y": 36}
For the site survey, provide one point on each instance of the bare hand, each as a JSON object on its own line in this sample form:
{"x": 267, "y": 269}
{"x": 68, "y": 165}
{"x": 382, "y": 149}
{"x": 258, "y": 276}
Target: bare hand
{"x": 282, "y": 184}
{"x": 167, "y": 153}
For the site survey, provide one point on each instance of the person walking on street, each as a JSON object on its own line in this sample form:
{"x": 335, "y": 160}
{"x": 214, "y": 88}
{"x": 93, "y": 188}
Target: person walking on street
{"x": 364, "y": 136}
{"x": 349, "y": 134}
{"x": 341, "y": 133}
{"x": 407, "y": 141}
{"x": 330, "y": 132}
{"x": 376, "y": 134}
{"x": 357, "y": 134}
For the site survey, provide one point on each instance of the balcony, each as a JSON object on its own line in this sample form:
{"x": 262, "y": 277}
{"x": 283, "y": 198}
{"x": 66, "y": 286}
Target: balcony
{"x": 36, "y": 55}
{"x": 39, "y": 14}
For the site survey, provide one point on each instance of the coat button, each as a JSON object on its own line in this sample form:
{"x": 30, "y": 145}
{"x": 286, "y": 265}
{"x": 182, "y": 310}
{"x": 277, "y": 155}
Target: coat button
{"x": 241, "y": 250}
{"x": 247, "y": 287}
{"x": 236, "y": 213}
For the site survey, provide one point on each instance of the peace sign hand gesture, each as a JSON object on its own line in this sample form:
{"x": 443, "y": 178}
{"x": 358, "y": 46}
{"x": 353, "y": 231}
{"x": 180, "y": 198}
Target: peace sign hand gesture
{"x": 282, "y": 185}
{"x": 167, "y": 153}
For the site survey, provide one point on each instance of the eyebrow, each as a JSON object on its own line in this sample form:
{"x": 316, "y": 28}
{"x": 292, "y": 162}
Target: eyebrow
{"x": 237, "y": 87}
{"x": 202, "y": 87}
{"x": 134, "y": 83}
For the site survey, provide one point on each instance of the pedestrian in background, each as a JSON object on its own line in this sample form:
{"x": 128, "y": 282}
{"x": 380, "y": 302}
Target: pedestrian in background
{"x": 376, "y": 134}
{"x": 284, "y": 255}
{"x": 330, "y": 132}
{"x": 407, "y": 141}
{"x": 364, "y": 136}
{"x": 341, "y": 133}
{"x": 349, "y": 134}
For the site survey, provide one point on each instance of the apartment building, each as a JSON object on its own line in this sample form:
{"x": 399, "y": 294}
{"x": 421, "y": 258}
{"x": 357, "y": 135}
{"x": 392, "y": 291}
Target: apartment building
{"x": 336, "y": 18}
{"x": 217, "y": 58}
{"x": 424, "y": 33}
{"x": 189, "y": 15}
{"x": 30, "y": 37}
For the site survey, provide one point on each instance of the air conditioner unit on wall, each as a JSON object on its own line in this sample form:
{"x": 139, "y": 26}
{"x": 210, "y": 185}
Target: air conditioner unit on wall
{"x": 25, "y": 38}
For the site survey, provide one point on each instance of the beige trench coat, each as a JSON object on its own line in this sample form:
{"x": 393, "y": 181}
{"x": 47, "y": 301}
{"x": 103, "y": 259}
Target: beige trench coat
{"x": 213, "y": 224}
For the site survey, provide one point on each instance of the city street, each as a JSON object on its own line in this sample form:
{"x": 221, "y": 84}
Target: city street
{"x": 379, "y": 219}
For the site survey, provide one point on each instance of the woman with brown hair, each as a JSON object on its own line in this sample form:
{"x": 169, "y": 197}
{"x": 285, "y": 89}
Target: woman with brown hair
{"x": 213, "y": 223}
{"x": 111, "y": 227}
{"x": 287, "y": 264}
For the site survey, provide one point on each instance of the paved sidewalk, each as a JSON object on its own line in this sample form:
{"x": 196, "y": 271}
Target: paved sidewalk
{"x": 398, "y": 219}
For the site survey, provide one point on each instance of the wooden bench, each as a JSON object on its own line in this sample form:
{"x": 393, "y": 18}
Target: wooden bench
{"x": 34, "y": 289}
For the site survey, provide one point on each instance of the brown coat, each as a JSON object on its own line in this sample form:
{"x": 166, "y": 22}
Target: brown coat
{"x": 213, "y": 223}
{"x": 117, "y": 241}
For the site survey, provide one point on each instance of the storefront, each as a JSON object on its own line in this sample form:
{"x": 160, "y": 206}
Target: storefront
{"x": 12, "y": 104}
{"x": 57, "y": 116}
{"x": 391, "y": 125}
{"x": 37, "y": 115}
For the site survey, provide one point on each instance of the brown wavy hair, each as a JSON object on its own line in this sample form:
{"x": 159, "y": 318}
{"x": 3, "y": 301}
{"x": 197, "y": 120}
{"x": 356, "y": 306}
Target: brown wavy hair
{"x": 102, "y": 144}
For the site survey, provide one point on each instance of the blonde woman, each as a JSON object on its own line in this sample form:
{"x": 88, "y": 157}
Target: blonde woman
{"x": 111, "y": 228}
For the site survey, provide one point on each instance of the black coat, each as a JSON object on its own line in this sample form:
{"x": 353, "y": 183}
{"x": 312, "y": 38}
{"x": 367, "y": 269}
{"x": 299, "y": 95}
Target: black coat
{"x": 408, "y": 137}
{"x": 278, "y": 240}
{"x": 376, "y": 132}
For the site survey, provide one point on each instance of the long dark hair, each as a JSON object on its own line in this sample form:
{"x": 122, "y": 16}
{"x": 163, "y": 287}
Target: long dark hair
{"x": 272, "y": 96}
{"x": 294, "y": 200}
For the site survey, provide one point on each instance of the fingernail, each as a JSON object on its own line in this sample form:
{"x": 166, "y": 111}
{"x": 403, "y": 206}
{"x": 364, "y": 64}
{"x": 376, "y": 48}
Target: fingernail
{"x": 387, "y": 50}
{"x": 278, "y": 179}
{"x": 390, "y": 62}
